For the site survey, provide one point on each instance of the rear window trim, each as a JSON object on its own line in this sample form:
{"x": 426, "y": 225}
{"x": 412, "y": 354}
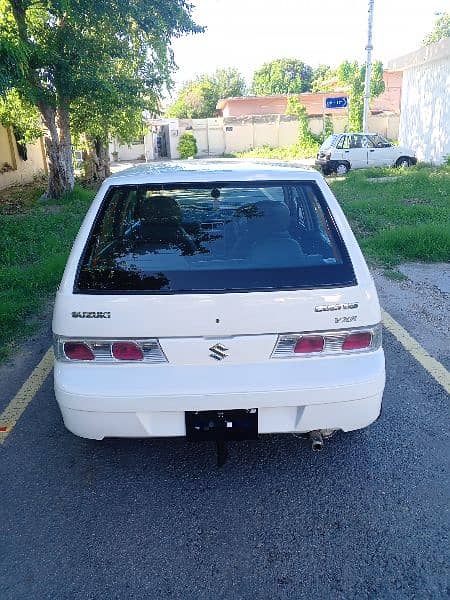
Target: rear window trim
{"x": 166, "y": 186}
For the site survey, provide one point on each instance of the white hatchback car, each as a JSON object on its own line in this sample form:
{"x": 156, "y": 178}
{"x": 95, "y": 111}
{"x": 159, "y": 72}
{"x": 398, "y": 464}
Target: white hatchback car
{"x": 341, "y": 152}
{"x": 216, "y": 300}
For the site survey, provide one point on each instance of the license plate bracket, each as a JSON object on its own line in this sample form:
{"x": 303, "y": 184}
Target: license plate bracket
{"x": 222, "y": 425}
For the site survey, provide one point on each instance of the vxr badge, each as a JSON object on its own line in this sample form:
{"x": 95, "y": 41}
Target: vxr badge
{"x": 218, "y": 352}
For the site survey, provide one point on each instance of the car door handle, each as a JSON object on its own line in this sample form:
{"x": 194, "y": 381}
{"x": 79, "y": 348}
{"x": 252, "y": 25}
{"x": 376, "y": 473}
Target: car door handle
{"x": 373, "y": 150}
{"x": 346, "y": 151}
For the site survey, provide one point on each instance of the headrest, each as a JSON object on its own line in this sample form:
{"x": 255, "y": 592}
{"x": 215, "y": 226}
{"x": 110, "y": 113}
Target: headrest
{"x": 161, "y": 210}
{"x": 269, "y": 216}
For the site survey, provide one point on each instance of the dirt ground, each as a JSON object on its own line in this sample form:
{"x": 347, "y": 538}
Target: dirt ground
{"x": 421, "y": 304}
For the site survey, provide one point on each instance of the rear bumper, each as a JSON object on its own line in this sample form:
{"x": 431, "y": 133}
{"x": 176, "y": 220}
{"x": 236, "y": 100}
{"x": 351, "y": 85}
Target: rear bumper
{"x": 345, "y": 416}
{"x": 291, "y": 395}
{"x": 321, "y": 162}
{"x": 326, "y": 165}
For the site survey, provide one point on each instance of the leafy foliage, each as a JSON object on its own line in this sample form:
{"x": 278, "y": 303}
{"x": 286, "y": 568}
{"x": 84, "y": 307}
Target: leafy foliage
{"x": 295, "y": 108}
{"x": 229, "y": 82}
{"x": 187, "y": 146}
{"x": 349, "y": 76}
{"x": 324, "y": 79}
{"x": 328, "y": 127}
{"x": 62, "y": 48}
{"x": 441, "y": 30}
{"x": 198, "y": 98}
{"x": 111, "y": 55}
{"x": 23, "y": 117}
{"x": 307, "y": 140}
{"x": 282, "y": 76}
{"x": 353, "y": 74}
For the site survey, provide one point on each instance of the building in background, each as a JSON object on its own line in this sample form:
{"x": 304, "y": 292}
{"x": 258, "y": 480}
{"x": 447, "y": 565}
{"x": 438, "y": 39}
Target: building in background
{"x": 159, "y": 141}
{"x": 254, "y": 121}
{"x": 388, "y": 101}
{"x": 19, "y": 165}
{"x": 425, "y": 101}
{"x": 244, "y": 106}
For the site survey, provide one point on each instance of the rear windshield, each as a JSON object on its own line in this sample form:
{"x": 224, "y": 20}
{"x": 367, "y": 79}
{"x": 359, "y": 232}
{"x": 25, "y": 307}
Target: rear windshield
{"x": 215, "y": 237}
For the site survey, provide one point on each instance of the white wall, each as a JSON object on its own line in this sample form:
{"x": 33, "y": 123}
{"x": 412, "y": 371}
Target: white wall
{"x": 221, "y": 135}
{"x": 425, "y": 111}
{"x": 23, "y": 170}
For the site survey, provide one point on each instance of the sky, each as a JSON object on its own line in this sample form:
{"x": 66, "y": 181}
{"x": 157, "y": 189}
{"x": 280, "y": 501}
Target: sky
{"x": 247, "y": 33}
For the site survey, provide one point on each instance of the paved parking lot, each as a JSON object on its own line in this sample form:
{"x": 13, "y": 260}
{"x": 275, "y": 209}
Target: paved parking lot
{"x": 366, "y": 518}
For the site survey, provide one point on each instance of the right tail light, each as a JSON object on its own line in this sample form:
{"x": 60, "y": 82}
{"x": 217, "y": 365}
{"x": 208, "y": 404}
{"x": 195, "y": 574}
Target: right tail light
{"x": 325, "y": 343}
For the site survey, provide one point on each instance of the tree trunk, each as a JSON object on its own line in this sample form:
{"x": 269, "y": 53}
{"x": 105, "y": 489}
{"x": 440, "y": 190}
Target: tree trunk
{"x": 58, "y": 145}
{"x": 97, "y": 166}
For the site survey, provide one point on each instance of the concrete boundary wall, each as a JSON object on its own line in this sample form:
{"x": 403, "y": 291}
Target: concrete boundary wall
{"x": 226, "y": 135}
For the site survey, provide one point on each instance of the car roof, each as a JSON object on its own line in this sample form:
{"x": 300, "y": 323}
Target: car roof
{"x": 184, "y": 171}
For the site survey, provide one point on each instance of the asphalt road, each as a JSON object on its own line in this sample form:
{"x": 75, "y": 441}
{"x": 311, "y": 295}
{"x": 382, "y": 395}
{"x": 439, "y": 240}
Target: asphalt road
{"x": 366, "y": 518}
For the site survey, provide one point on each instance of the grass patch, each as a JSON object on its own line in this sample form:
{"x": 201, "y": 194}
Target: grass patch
{"x": 394, "y": 274}
{"x": 35, "y": 240}
{"x": 406, "y": 219}
{"x": 294, "y": 152}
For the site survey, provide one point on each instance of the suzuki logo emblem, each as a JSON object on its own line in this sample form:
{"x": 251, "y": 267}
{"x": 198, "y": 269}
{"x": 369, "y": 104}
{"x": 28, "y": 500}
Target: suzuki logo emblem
{"x": 218, "y": 352}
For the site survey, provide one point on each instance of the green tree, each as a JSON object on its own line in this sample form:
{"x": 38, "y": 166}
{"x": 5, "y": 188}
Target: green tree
{"x": 198, "y": 98}
{"x": 58, "y": 54}
{"x": 441, "y": 30}
{"x": 229, "y": 82}
{"x": 352, "y": 74}
{"x": 324, "y": 79}
{"x": 21, "y": 116}
{"x": 282, "y": 76}
{"x": 114, "y": 110}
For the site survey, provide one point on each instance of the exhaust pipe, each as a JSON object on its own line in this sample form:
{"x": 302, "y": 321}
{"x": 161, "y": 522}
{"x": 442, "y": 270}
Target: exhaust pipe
{"x": 316, "y": 440}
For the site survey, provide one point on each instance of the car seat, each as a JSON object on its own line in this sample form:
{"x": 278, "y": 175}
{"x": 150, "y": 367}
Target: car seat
{"x": 273, "y": 244}
{"x": 161, "y": 226}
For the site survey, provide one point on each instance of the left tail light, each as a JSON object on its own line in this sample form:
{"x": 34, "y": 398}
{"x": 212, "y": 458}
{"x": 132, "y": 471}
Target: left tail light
{"x": 108, "y": 351}
{"x": 78, "y": 351}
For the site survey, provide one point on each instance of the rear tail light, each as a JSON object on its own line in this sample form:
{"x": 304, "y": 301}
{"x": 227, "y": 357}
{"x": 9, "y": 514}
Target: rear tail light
{"x": 78, "y": 351}
{"x": 327, "y": 343}
{"x": 108, "y": 351}
{"x": 127, "y": 351}
{"x": 357, "y": 341}
{"x": 309, "y": 343}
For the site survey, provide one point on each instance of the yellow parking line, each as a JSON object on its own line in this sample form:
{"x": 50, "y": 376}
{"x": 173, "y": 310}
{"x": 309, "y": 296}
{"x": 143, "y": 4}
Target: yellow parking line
{"x": 433, "y": 366}
{"x": 14, "y": 410}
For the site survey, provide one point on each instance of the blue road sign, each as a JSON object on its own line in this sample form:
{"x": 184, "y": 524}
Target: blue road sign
{"x": 340, "y": 102}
